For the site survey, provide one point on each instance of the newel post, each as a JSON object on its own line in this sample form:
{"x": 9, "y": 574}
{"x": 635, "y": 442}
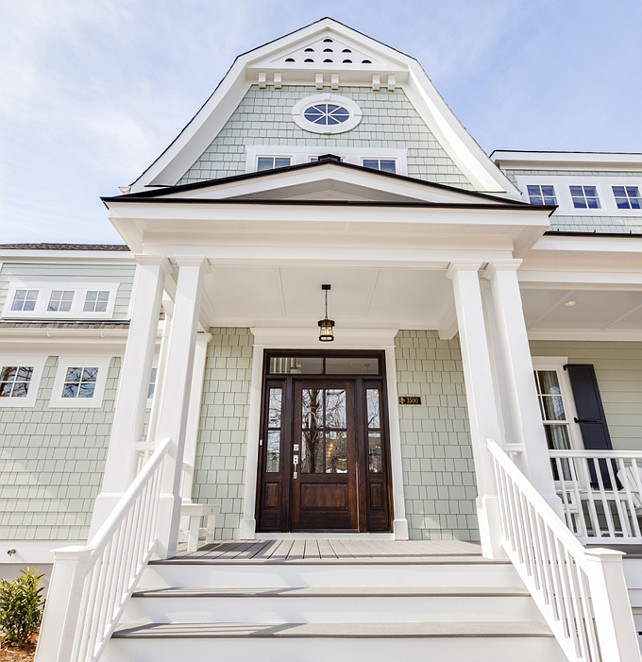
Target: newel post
{"x": 611, "y": 606}
{"x": 62, "y": 609}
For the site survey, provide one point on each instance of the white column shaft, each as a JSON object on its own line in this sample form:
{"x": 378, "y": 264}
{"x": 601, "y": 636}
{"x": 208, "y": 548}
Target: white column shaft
{"x": 174, "y": 402}
{"x": 480, "y": 396}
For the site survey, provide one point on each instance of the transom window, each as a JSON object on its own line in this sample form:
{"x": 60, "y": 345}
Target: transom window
{"x": 585, "y": 197}
{"x": 15, "y": 381}
{"x": 24, "y": 300}
{"x": 271, "y": 162}
{"x": 541, "y": 194}
{"x": 80, "y": 382}
{"x": 96, "y": 301}
{"x": 627, "y": 197}
{"x": 386, "y": 165}
{"x": 326, "y": 114}
{"x": 60, "y": 301}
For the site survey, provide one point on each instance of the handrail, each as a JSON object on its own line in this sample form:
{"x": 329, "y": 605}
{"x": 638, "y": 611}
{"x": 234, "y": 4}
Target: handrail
{"x": 581, "y": 593}
{"x": 601, "y": 493}
{"x": 90, "y": 585}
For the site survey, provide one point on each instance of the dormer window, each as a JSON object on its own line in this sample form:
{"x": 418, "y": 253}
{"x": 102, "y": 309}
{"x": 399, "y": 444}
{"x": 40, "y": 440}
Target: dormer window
{"x": 627, "y": 197}
{"x": 24, "y": 300}
{"x": 271, "y": 162}
{"x": 385, "y": 165}
{"x": 585, "y": 197}
{"x": 541, "y": 194}
{"x": 60, "y": 301}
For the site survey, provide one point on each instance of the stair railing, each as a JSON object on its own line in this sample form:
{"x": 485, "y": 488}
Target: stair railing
{"x": 581, "y": 593}
{"x": 91, "y": 585}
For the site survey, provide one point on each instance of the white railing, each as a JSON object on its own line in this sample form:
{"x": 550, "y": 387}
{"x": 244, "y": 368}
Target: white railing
{"x": 581, "y": 593}
{"x": 90, "y": 586}
{"x": 601, "y": 493}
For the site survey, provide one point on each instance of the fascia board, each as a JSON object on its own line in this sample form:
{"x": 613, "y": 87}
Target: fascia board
{"x": 592, "y": 246}
{"x": 79, "y": 256}
{"x": 589, "y": 160}
{"x": 454, "y": 138}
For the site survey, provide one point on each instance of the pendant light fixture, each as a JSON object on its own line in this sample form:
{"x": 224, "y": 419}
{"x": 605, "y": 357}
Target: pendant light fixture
{"x": 326, "y": 325}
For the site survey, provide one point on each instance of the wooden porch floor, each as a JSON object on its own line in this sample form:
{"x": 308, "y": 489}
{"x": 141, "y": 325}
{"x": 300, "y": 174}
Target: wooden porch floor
{"x": 329, "y": 551}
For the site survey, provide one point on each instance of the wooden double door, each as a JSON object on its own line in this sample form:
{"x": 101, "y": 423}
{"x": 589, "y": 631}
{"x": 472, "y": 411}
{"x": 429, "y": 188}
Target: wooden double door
{"x": 323, "y": 462}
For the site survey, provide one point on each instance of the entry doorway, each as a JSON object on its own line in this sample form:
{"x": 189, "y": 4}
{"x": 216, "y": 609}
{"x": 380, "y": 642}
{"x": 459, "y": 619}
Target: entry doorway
{"x": 324, "y": 457}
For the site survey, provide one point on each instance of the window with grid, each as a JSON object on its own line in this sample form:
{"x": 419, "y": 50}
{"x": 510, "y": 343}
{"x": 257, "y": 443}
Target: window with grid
{"x": 271, "y": 162}
{"x": 24, "y": 300}
{"x": 627, "y": 197}
{"x": 585, "y": 197}
{"x": 15, "y": 381}
{"x": 543, "y": 194}
{"x": 80, "y": 382}
{"x": 60, "y": 301}
{"x": 96, "y": 301}
{"x": 386, "y": 165}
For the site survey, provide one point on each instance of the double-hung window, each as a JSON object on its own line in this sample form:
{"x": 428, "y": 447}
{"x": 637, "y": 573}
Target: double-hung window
{"x": 271, "y": 162}
{"x": 585, "y": 197}
{"x": 627, "y": 197}
{"x": 541, "y": 194}
{"x": 385, "y": 165}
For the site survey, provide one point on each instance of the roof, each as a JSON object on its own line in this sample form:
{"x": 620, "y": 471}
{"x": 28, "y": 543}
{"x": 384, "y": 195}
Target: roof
{"x": 65, "y": 247}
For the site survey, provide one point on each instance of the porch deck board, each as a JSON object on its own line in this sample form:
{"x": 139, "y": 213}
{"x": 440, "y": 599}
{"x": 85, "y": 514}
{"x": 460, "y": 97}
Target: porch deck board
{"x": 331, "y": 551}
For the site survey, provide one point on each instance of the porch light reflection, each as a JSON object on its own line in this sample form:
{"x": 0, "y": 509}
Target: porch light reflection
{"x": 326, "y": 325}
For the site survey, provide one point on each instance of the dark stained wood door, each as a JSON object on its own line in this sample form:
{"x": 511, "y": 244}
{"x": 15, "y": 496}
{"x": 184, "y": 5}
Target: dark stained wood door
{"x": 324, "y": 457}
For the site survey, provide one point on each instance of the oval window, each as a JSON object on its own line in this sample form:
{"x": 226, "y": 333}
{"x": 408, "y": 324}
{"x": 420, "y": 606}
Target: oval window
{"x": 326, "y": 114}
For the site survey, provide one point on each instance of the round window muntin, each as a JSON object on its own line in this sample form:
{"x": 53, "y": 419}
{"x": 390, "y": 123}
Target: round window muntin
{"x": 326, "y": 113}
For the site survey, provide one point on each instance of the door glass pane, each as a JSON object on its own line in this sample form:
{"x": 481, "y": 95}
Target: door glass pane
{"x": 273, "y": 451}
{"x": 336, "y": 452}
{"x": 368, "y": 365}
{"x": 312, "y": 451}
{"x": 274, "y": 408}
{"x": 374, "y": 452}
{"x": 372, "y": 405}
{"x": 296, "y": 365}
{"x": 335, "y": 402}
{"x": 312, "y": 408}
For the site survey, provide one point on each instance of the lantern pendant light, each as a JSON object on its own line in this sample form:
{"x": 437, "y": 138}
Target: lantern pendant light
{"x": 326, "y": 325}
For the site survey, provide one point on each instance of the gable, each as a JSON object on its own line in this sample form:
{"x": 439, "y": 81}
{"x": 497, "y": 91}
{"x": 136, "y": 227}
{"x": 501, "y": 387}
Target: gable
{"x": 389, "y": 121}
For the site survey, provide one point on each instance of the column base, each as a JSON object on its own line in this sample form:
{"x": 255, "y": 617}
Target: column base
{"x": 169, "y": 515}
{"x": 400, "y": 529}
{"x": 490, "y": 527}
{"x": 248, "y": 528}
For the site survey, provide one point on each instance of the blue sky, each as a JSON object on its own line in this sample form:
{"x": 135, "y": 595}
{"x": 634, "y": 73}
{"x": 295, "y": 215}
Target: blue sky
{"x": 92, "y": 92}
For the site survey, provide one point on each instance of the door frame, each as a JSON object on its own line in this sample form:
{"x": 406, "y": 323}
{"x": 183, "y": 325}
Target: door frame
{"x": 365, "y": 517}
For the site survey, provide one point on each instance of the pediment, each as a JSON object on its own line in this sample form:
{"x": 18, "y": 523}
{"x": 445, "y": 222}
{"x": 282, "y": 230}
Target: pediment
{"x": 325, "y": 181}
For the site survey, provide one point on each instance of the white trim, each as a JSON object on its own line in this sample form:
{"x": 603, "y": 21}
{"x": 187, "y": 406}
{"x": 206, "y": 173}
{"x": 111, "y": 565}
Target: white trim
{"x": 580, "y": 335}
{"x": 38, "y": 363}
{"x": 29, "y": 552}
{"x": 66, "y": 361}
{"x": 303, "y": 153}
{"x": 45, "y": 288}
{"x": 294, "y": 338}
{"x": 302, "y": 105}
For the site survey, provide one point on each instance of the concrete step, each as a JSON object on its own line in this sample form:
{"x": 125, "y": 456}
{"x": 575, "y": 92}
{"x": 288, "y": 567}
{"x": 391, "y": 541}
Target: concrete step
{"x": 316, "y": 642}
{"x": 332, "y": 605}
{"x": 461, "y": 571}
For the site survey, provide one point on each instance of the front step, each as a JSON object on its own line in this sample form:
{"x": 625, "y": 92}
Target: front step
{"x": 456, "y": 608}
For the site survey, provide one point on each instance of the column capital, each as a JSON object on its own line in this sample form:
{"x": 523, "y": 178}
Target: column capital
{"x": 463, "y": 265}
{"x": 501, "y": 265}
{"x": 191, "y": 261}
{"x": 152, "y": 260}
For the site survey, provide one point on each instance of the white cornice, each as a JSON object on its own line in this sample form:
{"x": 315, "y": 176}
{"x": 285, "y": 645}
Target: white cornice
{"x": 573, "y": 160}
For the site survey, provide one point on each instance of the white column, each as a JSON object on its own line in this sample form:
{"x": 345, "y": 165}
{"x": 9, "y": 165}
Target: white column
{"x": 129, "y": 414}
{"x": 480, "y": 396}
{"x": 400, "y": 523}
{"x": 160, "y": 370}
{"x": 524, "y": 420}
{"x": 174, "y": 402}
{"x": 194, "y": 415}
{"x": 248, "y": 523}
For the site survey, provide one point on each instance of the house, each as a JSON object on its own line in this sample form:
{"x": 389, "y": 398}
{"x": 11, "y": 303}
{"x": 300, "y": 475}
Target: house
{"x": 325, "y": 321}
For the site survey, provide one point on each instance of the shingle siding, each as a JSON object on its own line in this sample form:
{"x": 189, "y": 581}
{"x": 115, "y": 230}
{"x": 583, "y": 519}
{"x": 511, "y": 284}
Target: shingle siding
{"x": 264, "y": 118}
{"x": 437, "y": 462}
{"x": 51, "y": 463}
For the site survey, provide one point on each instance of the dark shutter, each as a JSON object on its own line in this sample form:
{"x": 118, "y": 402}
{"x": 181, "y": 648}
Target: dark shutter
{"x": 590, "y": 414}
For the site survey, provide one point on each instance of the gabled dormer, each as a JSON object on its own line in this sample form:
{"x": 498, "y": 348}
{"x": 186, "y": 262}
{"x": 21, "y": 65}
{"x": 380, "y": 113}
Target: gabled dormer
{"x": 326, "y": 88}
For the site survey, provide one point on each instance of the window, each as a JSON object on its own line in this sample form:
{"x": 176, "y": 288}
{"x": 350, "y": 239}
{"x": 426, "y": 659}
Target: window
{"x": 271, "y": 162}
{"x": 19, "y": 380}
{"x": 385, "y": 165}
{"x": 24, "y": 300}
{"x": 15, "y": 381}
{"x": 627, "y": 197}
{"x": 96, "y": 301}
{"x": 541, "y": 194}
{"x": 80, "y": 381}
{"x": 585, "y": 197}
{"x": 152, "y": 384}
{"x": 60, "y": 301}
{"x": 326, "y": 113}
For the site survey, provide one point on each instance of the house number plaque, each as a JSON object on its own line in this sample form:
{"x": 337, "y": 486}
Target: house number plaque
{"x": 409, "y": 399}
